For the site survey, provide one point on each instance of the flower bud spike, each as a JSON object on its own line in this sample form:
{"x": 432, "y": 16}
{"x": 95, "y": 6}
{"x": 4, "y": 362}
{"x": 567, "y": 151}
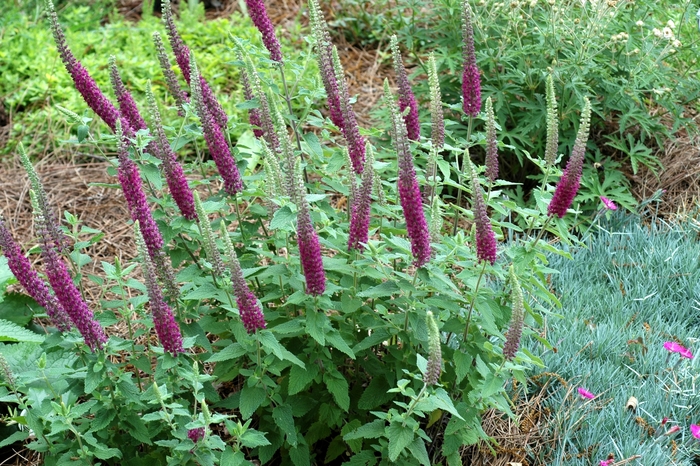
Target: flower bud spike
{"x": 550, "y": 152}
{"x": 350, "y": 129}
{"x": 517, "y": 319}
{"x": 434, "y": 368}
{"x": 177, "y": 92}
{"x": 471, "y": 79}
{"x": 362, "y": 206}
{"x": 571, "y": 178}
{"x": 491, "y": 143}
{"x": 208, "y": 241}
{"x": 127, "y": 105}
{"x": 407, "y": 100}
{"x": 437, "y": 120}
{"x": 486, "y": 246}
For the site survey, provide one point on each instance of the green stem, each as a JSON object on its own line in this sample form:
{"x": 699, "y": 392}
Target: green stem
{"x": 415, "y": 402}
{"x": 539, "y": 235}
{"x": 459, "y": 177}
{"x": 471, "y": 305}
{"x": 288, "y": 99}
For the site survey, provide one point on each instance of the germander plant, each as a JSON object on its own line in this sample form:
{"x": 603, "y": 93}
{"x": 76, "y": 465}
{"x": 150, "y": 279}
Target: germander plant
{"x": 298, "y": 301}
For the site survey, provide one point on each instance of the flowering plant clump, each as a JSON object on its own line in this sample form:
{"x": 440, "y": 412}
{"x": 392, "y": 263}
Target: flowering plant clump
{"x": 297, "y": 299}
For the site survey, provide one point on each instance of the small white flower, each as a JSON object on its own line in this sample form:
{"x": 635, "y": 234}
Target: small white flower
{"x": 668, "y": 33}
{"x": 657, "y": 32}
{"x": 671, "y": 24}
{"x": 676, "y": 43}
{"x": 640, "y": 23}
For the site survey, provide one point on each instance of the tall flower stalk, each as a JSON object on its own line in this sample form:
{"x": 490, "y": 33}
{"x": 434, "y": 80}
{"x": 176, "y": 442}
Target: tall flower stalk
{"x": 258, "y": 14}
{"x": 550, "y": 152}
{"x": 214, "y": 136}
{"x": 437, "y": 130}
{"x": 29, "y": 279}
{"x": 409, "y": 191}
{"x": 434, "y": 368}
{"x": 350, "y": 129}
{"x": 127, "y": 105}
{"x": 182, "y": 57}
{"x": 486, "y": 244}
{"x": 171, "y": 80}
{"x": 251, "y": 314}
{"x": 491, "y": 145}
{"x": 174, "y": 174}
{"x": 208, "y": 240}
{"x": 571, "y": 178}
{"x": 471, "y": 80}
{"x": 163, "y": 319}
{"x": 361, "y": 206}
{"x": 408, "y": 106}
{"x": 515, "y": 330}
{"x": 65, "y": 290}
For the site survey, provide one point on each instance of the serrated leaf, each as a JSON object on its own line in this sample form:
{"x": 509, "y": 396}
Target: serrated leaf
{"x": 376, "y": 394}
{"x": 283, "y": 218}
{"x": 270, "y": 343}
{"x": 380, "y": 291}
{"x": 316, "y": 323}
{"x": 251, "y": 399}
{"x": 417, "y": 449}
{"x": 232, "y": 351}
{"x": 374, "y": 429}
{"x": 9, "y": 331}
{"x": 300, "y": 455}
{"x": 364, "y": 458}
{"x": 338, "y": 386}
{"x": 282, "y": 415}
{"x": 463, "y": 364}
{"x": 399, "y": 438}
{"x": 336, "y": 341}
{"x": 16, "y": 437}
{"x": 139, "y": 430}
{"x": 299, "y": 378}
{"x": 18, "y": 308}
{"x": 102, "y": 419}
{"x": 252, "y": 438}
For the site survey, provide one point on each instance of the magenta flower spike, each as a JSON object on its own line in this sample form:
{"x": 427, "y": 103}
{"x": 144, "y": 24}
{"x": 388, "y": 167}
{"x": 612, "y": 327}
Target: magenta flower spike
{"x": 610, "y": 205}
{"x": 571, "y": 178}
{"x": 64, "y": 288}
{"x": 361, "y": 206}
{"x": 196, "y": 434}
{"x": 585, "y": 393}
{"x": 695, "y": 431}
{"x": 471, "y": 80}
{"x": 82, "y": 80}
{"x": 127, "y": 105}
{"x": 253, "y": 113}
{"x": 182, "y": 57}
{"x": 174, "y": 174}
{"x": 324, "y": 53}
{"x": 177, "y": 92}
{"x": 486, "y": 244}
{"x": 258, "y": 14}
{"x": 214, "y": 136}
{"x": 163, "y": 319}
{"x": 407, "y": 100}
{"x": 310, "y": 253}
{"x": 350, "y": 129}
{"x": 409, "y": 191}
{"x": 29, "y": 279}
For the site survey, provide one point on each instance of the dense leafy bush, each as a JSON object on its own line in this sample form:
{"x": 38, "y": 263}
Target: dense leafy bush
{"x": 295, "y": 304}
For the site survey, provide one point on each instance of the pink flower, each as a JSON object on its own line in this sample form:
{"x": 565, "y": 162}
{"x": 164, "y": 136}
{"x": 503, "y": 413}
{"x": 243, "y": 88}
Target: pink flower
{"x": 695, "y": 430}
{"x": 673, "y": 430}
{"x": 674, "y": 347}
{"x": 585, "y": 393}
{"x": 607, "y": 462}
{"x": 610, "y": 205}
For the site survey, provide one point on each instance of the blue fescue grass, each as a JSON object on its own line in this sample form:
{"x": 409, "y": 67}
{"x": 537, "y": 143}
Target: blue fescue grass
{"x": 631, "y": 289}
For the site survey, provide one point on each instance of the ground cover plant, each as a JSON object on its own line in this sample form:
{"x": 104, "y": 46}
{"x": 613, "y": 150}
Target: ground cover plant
{"x": 292, "y": 296}
{"x": 626, "y": 349}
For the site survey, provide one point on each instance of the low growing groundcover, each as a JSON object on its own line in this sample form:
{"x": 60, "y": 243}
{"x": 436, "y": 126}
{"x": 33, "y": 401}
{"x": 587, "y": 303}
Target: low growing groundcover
{"x": 624, "y": 343}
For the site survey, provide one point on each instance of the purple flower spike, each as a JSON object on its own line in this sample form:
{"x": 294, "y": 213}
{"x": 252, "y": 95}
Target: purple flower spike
{"x": 361, "y": 206}
{"x": 350, "y": 129}
{"x": 214, "y": 136}
{"x": 571, "y": 178}
{"x": 127, "y": 105}
{"x": 324, "y": 53}
{"x": 84, "y": 83}
{"x": 471, "y": 81}
{"x": 310, "y": 253}
{"x": 174, "y": 174}
{"x": 258, "y": 14}
{"x": 485, "y": 238}
{"x": 29, "y": 279}
{"x": 64, "y": 288}
{"x": 409, "y": 191}
{"x": 173, "y": 85}
{"x": 196, "y": 434}
{"x": 163, "y": 319}
{"x": 182, "y": 57}
{"x": 253, "y": 113}
{"x": 406, "y": 97}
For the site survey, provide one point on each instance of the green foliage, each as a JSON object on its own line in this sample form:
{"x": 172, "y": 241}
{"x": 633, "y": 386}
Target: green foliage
{"x": 624, "y": 295}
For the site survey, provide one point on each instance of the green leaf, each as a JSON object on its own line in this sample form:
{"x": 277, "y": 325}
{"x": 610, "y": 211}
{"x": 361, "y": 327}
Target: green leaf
{"x": 139, "y": 430}
{"x": 251, "y": 399}
{"x": 376, "y": 394}
{"x": 283, "y": 218}
{"x": 399, "y": 438}
{"x": 316, "y": 323}
{"x": 16, "y": 437}
{"x": 18, "y": 308}
{"x": 374, "y": 429}
{"x": 270, "y": 343}
{"x": 364, "y": 458}
{"x": 9, "y": 331}
{"x": 377, "y": 337}
{"x": 445, "y": 403}
{"x": 232, "y": 351}
{"x": 234, "y": 458}
{"x": 463, "y": 364}
{"x": 380, "y": 291}
{"x": 282, "y": 415}
{"x": 299, "y": 377}
{"x": 338, "y": 387}
{"x": 300, "y": 455}
{"x": 252, "y": 438}
{"x": 336, "y": 340}
{"x": 417, "y": 449}
{"x": 314, "y": 145}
